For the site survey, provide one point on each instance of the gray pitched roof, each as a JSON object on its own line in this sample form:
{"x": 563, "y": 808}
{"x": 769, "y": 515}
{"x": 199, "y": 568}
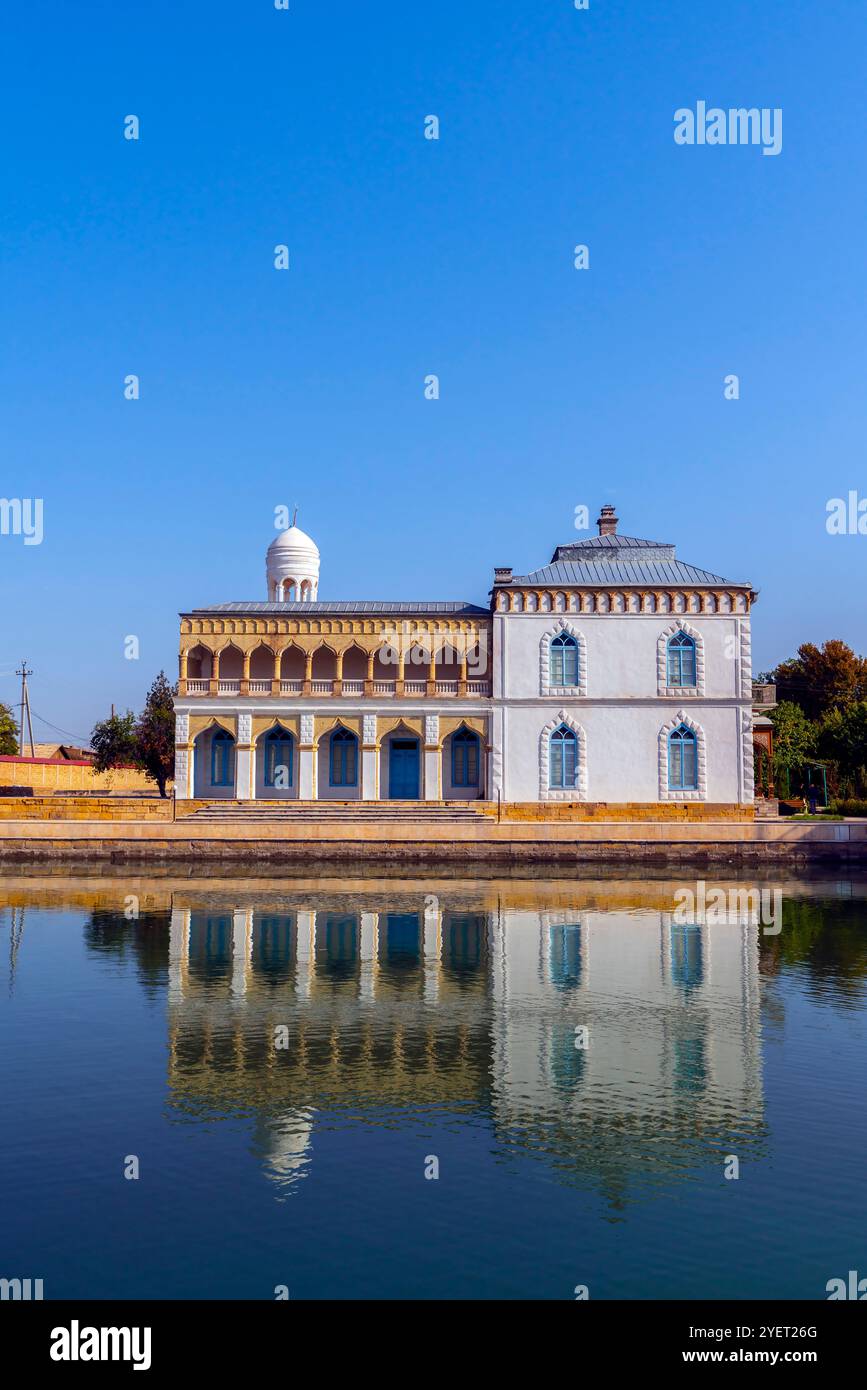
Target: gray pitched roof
{"x": 452, "y": 608}
{"x": 617, "y": 571}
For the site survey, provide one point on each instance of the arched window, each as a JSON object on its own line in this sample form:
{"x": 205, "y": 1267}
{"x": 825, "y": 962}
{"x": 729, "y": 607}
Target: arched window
{"x": 222, "y": 759}
{"x": 563, "y": 764}
{"x": 681, "y": 660}
{"x": 563, "y": 660}
{"x": 278, "y": 755}
{"x": 682, "y": 760}
{"x": 344, "y": 759}
{"x": 465, "y": 759}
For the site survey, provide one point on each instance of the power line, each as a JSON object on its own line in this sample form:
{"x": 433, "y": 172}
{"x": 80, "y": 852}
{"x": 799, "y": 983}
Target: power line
{"x": 83, "y": 739}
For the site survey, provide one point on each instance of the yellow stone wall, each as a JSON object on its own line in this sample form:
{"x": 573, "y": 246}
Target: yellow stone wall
{"x": 71, "y": 777}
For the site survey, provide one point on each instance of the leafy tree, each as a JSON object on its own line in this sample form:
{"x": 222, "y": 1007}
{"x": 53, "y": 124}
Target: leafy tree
{"x": 155, "y": 733}
{"x": 114, "y": 743}
{"x": 842, "y": 736}
{"x": 8, "y": 732}
{"x": 822, "y": 678}
{"x": 794, "y": 737}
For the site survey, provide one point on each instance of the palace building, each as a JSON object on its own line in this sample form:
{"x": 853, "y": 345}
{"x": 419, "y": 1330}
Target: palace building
{"x": 616, "y": 673}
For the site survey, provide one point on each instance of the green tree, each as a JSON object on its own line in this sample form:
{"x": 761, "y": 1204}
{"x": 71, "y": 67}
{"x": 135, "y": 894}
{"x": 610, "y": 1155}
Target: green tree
{"x": 794, "y": 739}
{"x": 822, "y": 678}
{"x": 8, "y": 732}
{"x": 155, "y": 733}
{"x": 113, "y": 742}
{"x": 842, "y": 737}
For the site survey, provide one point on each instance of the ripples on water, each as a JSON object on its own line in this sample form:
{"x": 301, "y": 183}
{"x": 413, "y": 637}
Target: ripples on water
{"x": 288, "y": 1058}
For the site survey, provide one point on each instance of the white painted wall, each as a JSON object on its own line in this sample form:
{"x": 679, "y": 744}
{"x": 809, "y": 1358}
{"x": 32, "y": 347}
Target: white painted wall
{"x": 621, "y": 713}
{"x": 622, "y": 748}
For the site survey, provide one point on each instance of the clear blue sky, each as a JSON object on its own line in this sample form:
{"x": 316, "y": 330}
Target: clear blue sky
{"x": 411, "y": 257}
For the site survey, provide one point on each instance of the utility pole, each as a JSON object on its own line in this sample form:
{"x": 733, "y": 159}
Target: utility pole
{"x": 24, "y": 672}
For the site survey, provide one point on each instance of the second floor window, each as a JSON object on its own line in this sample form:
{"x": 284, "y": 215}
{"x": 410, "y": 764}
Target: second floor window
{"x": 681, "y": 660}
{"x": 563, "y": 660}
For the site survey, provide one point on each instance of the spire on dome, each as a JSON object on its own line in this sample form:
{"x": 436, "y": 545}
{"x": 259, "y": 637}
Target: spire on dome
{"x": 292, "y": 566}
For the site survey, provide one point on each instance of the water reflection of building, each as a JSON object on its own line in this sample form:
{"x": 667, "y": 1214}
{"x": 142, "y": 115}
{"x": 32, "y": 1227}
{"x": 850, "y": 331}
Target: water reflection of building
{"x": 411, "y": 1001}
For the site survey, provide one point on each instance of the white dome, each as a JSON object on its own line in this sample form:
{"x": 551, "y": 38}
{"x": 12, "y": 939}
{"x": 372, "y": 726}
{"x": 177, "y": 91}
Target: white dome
{"x": 292, "y": 566}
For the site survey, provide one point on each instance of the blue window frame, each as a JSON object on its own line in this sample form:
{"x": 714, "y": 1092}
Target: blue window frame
{"x": 563, "y": 660}
{"x": 682, "y": 760}
{"x": 563, "y": 761}
{"x": 278, "y": 753}
{"x": 681, "y": 660}
{"x": 344, "y": 759}
{"x": 222, "y": 759}
{"x": 465, "y": 759}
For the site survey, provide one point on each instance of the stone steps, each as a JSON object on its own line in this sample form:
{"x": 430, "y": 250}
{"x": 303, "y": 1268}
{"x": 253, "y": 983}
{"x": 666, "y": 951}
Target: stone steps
{"x": 253, "y": 811}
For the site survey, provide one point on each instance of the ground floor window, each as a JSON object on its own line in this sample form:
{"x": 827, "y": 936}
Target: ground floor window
{"x": 344, "y": 759}
{"x": 682, "y": 760}
{"x": 278, "y": 759}
{"x": 563, "y": 766}
{"x": 465, "y": 759}
{"x": 222, "y": 759}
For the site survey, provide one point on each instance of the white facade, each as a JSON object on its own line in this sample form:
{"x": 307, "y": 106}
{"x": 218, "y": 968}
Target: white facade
{"x": 615, "y": 674}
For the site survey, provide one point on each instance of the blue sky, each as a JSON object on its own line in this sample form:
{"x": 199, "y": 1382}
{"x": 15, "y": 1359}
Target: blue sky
{"x": 409, "y": 257}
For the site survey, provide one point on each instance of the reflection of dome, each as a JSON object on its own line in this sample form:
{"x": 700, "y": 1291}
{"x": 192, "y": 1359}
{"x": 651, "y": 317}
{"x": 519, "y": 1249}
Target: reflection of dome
{"x": 292, "y": 567}
{"x": 283, "y": 1143}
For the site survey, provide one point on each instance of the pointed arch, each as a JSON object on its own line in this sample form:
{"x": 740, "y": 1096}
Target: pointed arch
{"x": 276, "y": 762}
{"x": 671, "y": 765}
{"x": 676, "y": 632}
{"x": 569, "y": 657}
{"x": 577, "y": 792}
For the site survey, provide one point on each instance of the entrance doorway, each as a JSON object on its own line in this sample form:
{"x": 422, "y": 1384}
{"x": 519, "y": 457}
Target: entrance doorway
{"x": 403, "y": 769}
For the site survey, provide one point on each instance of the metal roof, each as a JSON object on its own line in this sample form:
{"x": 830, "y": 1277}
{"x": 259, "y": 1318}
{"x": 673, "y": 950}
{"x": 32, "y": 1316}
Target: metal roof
{"x": 453, "y": 608}
{"x": 636, "y": 572}
{"x": 616, "y": 542}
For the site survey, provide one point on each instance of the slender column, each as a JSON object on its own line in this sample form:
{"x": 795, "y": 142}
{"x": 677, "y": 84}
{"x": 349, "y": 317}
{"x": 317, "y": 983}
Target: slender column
{"x": 462, "y": 682}
{"x": 433, "y": 945}
{"x": 308, "y": 674}
{"x": 214, "y": 682}
{"x": 369, "y": 757}
{"x": 179, "y": 952}
{"x": 432, "y": 674}
{"x": 338, "y": 674}
{"x": 305, "y": 952}
{"x": 245, "y": 674}
{"x": 401, "y": 658}
{"x": 306, "y": 760}
{"x": 369, "y": 952}
{"x": 275, "y": 674}
{"x": 242, "y": 950}
{"x": 183, "y": 758}
{"x": 432, "y": 758}
{"x": 368, "y": 684}
{"x": 182, "y": 673}
{"x": 245, "y": 780}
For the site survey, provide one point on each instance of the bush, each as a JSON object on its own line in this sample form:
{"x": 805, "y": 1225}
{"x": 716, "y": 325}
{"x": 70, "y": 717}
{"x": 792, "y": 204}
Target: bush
{"x": 848, "y": 808}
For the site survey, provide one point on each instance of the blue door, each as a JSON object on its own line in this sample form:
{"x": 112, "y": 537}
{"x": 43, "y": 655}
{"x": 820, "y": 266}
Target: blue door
{"x": 403, "y": 769}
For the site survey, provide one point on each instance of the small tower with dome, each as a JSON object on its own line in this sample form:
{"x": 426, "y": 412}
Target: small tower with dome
{"x": 292, "y": 567}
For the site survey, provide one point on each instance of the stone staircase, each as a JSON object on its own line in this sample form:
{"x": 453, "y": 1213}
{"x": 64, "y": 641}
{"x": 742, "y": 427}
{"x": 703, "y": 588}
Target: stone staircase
{"x": 322, "y": 812}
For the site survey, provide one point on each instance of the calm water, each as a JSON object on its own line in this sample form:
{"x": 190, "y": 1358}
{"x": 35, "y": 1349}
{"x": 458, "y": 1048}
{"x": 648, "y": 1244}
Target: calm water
{"x": 285, "y": 1058}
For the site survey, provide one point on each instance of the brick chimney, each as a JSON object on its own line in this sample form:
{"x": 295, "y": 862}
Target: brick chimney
{"x": 607, "y": 522}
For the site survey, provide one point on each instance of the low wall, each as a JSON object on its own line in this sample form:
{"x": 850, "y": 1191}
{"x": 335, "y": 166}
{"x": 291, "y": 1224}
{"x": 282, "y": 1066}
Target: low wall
{"x": 84, "y": 808}
{"x": 433, "y": 842}
{"x": 625, "y": 811}
{"x": 61, "y": 774}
